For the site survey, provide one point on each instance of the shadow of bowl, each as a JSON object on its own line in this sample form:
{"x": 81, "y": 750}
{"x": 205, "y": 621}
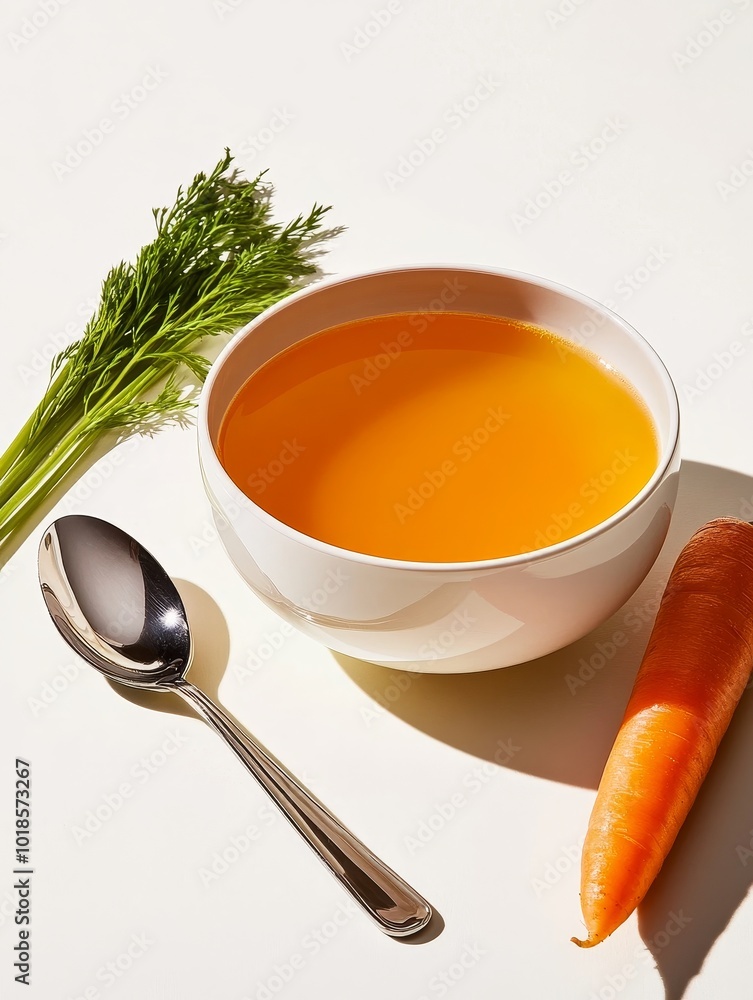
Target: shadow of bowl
{"x": 561, "y": 713}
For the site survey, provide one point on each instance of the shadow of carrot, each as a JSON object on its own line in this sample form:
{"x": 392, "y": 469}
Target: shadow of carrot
{"x": 709, "y": 870}
{"x": 562, "y": 713}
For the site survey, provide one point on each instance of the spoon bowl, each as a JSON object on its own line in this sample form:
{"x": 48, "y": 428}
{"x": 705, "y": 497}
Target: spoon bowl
{"x": 115, "y": 605}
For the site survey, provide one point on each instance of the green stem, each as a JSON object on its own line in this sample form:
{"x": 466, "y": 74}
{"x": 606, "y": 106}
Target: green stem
{"x": 80, "y": 431}
{"x": 16, "y": 448}
{"x": 22, "y": 477}
{"x": 32, "y": 457}
{"x": 36, "y": 481}
{"x": 65, "y": 465}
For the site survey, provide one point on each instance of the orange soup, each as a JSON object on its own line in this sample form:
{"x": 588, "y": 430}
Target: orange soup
{"x": 438, "y": 437}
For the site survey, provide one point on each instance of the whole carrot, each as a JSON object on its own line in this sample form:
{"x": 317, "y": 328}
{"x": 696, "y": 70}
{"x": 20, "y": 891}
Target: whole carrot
{"x": 694, "y": 671}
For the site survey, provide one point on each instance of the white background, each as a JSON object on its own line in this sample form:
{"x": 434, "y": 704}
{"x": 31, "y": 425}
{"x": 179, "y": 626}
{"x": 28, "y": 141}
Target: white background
{"x": 646, "y": 108}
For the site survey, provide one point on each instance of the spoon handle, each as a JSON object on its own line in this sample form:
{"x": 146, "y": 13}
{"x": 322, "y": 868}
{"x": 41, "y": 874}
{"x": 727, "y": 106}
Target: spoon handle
{"x": 389, "y": 900}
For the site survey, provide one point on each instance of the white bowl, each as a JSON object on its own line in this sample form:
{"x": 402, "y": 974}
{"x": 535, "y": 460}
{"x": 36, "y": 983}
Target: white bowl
{"x": 443, "y": 617}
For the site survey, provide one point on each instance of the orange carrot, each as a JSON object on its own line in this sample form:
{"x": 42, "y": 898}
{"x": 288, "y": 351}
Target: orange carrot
{"x": 694, "y": 671}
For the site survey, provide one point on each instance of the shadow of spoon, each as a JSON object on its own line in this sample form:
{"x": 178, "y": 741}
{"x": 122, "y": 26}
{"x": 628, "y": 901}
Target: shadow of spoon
{"x": 211, "y": 652}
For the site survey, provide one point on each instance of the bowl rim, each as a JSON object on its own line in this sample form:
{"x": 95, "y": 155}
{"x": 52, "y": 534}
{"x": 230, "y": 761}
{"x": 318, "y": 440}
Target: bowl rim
{"x": 208, "y": 455}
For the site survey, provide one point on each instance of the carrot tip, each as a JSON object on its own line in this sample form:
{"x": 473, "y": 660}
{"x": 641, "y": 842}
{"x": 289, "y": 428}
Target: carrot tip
{"x": 587, "y": 943}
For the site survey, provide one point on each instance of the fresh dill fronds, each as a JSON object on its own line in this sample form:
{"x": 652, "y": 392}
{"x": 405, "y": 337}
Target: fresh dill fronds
{"x": 216, "y": 261}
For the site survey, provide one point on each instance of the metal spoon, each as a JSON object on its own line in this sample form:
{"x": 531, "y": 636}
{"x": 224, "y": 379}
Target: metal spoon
{"x": 117, "y": 607}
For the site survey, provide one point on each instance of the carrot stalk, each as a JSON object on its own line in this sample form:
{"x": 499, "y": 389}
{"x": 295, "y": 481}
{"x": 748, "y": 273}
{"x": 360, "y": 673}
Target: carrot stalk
{"x": 693, "y": 674}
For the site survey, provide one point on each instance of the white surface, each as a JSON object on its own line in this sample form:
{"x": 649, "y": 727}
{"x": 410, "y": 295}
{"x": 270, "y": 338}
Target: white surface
{"x": 223, "y": 73}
